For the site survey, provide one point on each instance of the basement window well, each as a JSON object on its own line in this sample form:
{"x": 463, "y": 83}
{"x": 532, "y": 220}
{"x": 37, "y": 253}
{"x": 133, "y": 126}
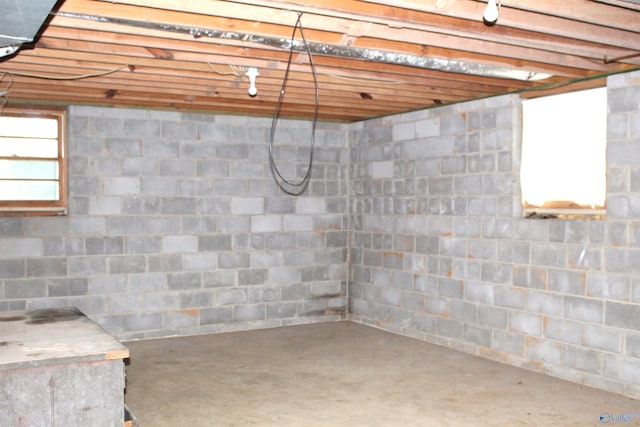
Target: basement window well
{"x": 563, "y": 168}
{"x": 32, "y": 162}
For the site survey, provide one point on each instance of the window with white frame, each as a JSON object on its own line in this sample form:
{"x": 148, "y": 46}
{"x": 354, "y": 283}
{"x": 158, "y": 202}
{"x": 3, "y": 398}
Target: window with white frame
{"x": 32, "y": 162}
{"x": 563, "y": 168}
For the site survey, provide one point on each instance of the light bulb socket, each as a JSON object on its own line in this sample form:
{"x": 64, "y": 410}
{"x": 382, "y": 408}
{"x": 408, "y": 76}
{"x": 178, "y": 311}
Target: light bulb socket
{"x": 252, "y": 73}
{"x": 492, "y": 12}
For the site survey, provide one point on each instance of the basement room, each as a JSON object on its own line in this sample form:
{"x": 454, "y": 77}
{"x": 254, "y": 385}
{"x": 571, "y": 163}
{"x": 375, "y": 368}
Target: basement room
{"x": 326, "y": 213}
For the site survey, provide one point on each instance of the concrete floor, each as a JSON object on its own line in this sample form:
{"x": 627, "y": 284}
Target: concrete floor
{"x": 344, "y": 374}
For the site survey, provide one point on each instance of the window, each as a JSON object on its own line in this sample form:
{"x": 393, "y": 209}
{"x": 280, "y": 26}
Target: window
{"x": 32, "y": 162}
{"x": 563, "y": 169}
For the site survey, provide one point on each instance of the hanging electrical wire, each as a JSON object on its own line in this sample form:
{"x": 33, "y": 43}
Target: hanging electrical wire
{"x": 236, "y": 70}
{"x": 5, "y": 88}
{"x": 74, "y": 77}
{"x": 294, "y": 188}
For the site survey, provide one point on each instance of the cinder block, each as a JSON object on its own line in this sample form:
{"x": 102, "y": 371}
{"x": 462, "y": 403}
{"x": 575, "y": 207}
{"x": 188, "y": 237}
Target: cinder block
{"x": 623, "y": 99}
{"x": 477, "y": 335}
{"x": 160, "y": 302}
{"x": 453, "y": 124}
{"x": 166, "y": 262}
{"x": 21, "y": 248}
{"x": 529, "y": 324}
{"x": 112, "y": 245}
{"x": 199, "y": 261}
{"x": 231, "y": 296}
{"x": 138, "y": 166}
{"x": 467, "y": 270}
{"x": 124, "y": 225}
{"x": 601, "y": 338}
{"x": 511, "y": 297}
{"x": 184, "y": 280}
{"x": 121, "y": 186}
{"x": 253, "y": 277}
{"x": 545, "y": 303}
{"x": 67, "y": 287}
{"x": 632, "y": 345}
{"x": 621, "y": 315}
{"x": 496, "y": 272}
{"x": 247, "y": 205}
{"x": 450, "y": 328}
{"x": 584, "y": 309}
{"x": 46, "y": 267}
{"x": 622, "y": 368}
{"x": 181, "y": 319}
{"x": 144, "y": 322}
{"x": 567, "y": 282}
{"x": 403, "y": 131}
{"x": 87, "y": 266}
{"x": 530, "y": 277}
{"x": 608, "y": 286}
{"x": 196, "y": 299}
{"x": 244, "y": 313}
{"x": 148, "y": 282}
{"x": 550, "y": 255}
{"x": 218, "y": 242}
{"x": 180, "y": 244}
{"x": 281, "y": 310}
{"x": 544, "y": 351}
{"x": 178, "y": 206}
{"x": 24, "y": 289}
{"x": 258, "y": 294}
{"x": 463, "y": 311}
{"x": 266, "y": 223}
{"x": 143, "y": 244}
{"x": 507, "y": 342}
{"x": 12, "y": 268}
{"x": 107, "y": 285}
{"x": 220, "y": 278}
{"x": 582, "y": 359}
{"x": 450, "y": 288}
{"x": 513, "y": 252}
{"x": 127, "y": 264}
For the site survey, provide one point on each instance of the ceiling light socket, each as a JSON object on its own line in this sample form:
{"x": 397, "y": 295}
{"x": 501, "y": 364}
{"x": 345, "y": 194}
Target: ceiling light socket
{"x": 491, "y": 13}
{"x": 252, "y": 73}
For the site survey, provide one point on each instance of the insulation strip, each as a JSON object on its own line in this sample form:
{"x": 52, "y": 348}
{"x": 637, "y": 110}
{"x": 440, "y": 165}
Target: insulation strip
{"x": 351, "y": 52}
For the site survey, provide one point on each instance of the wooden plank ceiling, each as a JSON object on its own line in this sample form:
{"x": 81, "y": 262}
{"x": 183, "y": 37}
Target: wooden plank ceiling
{"x": 372, "y": 58}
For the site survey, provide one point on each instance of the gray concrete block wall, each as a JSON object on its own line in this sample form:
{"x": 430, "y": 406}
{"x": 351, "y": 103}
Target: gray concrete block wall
{"x": 176, "y": 226}
{"x": 557, "y": 296}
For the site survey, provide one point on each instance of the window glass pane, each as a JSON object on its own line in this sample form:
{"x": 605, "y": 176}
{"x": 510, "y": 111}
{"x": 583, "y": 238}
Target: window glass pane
{"x": 564, "y": 149}
{"x": 33, "y": 127}
{"x": 28, "y": 169}
{"x": 19, "y": 147}
{"x": 29, "y": 190}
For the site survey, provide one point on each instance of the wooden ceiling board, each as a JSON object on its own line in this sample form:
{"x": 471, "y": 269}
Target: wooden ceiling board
{"x": 372, "y": 58}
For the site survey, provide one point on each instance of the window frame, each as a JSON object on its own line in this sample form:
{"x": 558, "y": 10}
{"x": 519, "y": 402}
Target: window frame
{"x": 561, "y": 209}
{"x": 41, "y": 207}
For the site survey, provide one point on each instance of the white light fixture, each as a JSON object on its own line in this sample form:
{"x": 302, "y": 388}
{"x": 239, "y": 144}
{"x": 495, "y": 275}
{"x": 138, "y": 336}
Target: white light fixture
{"x": 252, "y": 73}
{"x": 492, "y": 12}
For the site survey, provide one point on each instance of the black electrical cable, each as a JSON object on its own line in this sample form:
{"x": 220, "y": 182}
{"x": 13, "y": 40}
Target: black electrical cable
{"x": 300, "y": 186}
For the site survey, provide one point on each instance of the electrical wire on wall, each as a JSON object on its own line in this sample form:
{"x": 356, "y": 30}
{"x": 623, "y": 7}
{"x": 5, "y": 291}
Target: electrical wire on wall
{"x": 294, "y": 188}
{"x": 6, "y": 88}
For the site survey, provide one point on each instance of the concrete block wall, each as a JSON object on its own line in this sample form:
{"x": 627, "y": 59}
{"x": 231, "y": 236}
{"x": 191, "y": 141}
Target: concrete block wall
{"x": 176, "y": 226}
{"x": 441, "y": 252}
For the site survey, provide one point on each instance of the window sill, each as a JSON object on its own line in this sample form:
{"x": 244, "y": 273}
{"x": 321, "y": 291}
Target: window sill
{"x": 556, "y": 213}
{"x": 32, "y": 211}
